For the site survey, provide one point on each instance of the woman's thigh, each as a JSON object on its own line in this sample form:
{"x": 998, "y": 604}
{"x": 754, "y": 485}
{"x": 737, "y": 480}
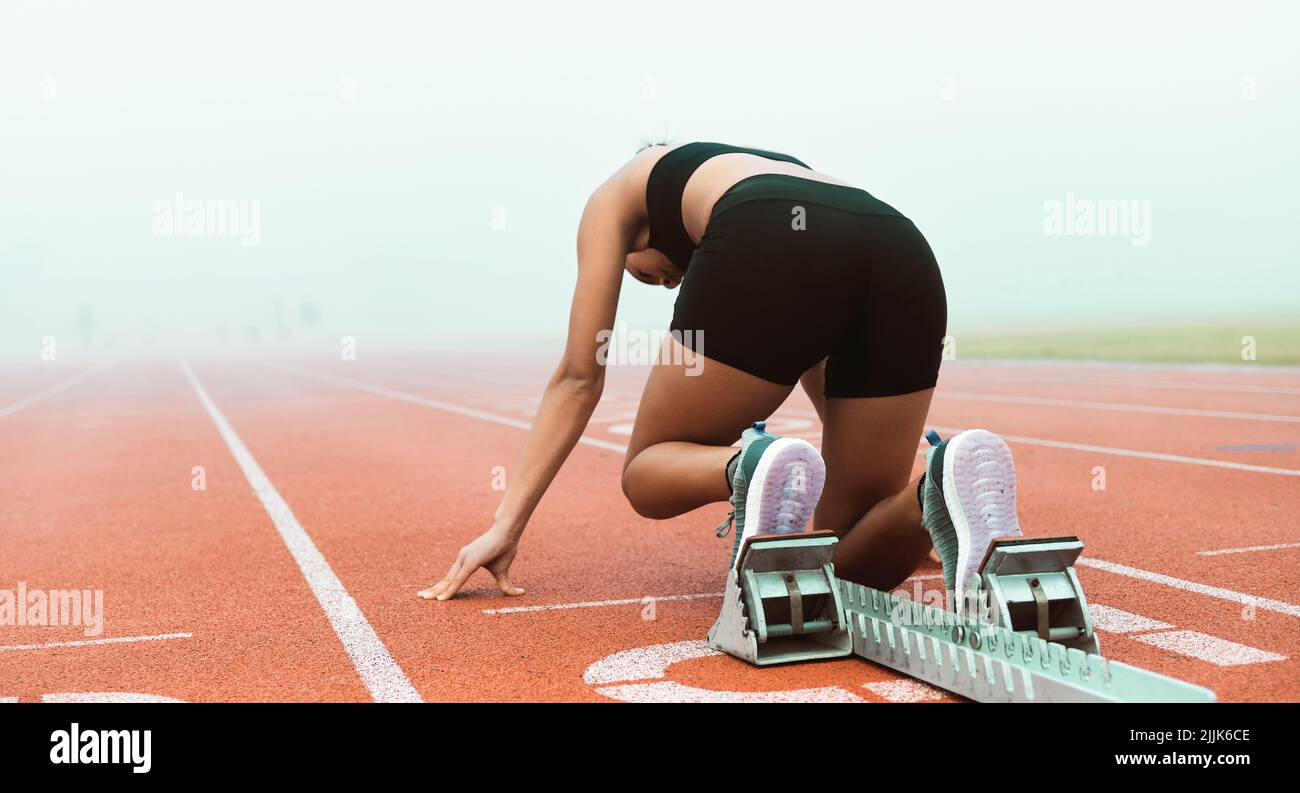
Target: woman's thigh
{"x": 694, "y": 399}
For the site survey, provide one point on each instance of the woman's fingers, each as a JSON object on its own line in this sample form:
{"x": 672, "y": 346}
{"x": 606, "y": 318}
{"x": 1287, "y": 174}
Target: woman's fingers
{"x": 462, "y": 575}
{"x": 506, "y": 585}
{"x": 438, "y": 588}
{"x": 479, "y": 553}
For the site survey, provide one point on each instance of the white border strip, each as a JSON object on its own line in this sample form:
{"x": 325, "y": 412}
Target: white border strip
{"x": 9, "y": 410}
{"x": 380, "y": 673}
{"x": 94, "y": 642}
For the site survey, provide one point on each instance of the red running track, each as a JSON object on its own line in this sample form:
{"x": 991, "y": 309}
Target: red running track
{"x": 374, "y": 472}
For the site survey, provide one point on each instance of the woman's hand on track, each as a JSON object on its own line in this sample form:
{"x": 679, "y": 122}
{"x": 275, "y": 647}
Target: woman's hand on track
{"x": 493, "y": 550}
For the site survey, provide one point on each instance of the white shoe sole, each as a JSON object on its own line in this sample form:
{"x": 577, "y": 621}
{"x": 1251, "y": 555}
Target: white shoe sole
{"x": 979, "y": 488}
{"x": 788, "y": 479}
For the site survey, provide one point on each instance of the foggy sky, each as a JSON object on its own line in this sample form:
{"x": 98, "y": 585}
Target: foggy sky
{"x": 419, "y": 168}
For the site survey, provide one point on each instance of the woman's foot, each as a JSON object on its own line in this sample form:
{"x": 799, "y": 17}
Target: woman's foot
{"x": 775, "y": 485}
{"x": 968, "y": 500}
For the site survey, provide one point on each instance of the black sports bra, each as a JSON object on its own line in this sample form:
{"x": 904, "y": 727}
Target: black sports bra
{"x": 664, "y": 188}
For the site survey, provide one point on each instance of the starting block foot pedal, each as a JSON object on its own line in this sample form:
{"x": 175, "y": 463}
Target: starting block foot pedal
{"x": 782, "y": 602}
{"x": 1033, "y": 590}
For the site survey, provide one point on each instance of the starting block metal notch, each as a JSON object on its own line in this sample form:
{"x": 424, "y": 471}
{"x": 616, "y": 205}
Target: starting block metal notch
{"x": 783, "y": 603}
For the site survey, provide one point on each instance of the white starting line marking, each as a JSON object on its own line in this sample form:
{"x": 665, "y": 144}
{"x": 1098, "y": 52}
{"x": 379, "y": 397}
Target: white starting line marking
{"x": 92, "y": 642}
{"x": 600, "y": 603}
{"x": 382, "y": 676}
{"x": 1279, "y": 547}
{"x": 591, "y": 604}
{"x": 1116, "y": 406}
{"x": 9, "y": 410}
{"x": 1220, "y": 652}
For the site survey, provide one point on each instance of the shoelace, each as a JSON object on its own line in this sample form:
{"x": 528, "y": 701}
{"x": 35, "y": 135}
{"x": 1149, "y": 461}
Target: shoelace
{"x": 725, "y": 527}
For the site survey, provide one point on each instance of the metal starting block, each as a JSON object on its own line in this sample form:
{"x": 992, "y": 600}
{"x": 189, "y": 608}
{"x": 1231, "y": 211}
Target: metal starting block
{"x": 783, "y": 603}
{"x": 1032, "y": 589}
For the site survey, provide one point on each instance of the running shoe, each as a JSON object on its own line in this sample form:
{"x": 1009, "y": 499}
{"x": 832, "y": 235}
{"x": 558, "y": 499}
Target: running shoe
{"x": 774, "y": 488}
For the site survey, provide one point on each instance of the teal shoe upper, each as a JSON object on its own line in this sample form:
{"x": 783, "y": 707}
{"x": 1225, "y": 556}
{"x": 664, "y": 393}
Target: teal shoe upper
{"x": 934, "y": 511}
{"x": 753, "y": 442}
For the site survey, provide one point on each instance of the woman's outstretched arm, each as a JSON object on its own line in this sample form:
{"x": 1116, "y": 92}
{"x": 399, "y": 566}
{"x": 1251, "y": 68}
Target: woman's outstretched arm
{"x": 605, "y": 234}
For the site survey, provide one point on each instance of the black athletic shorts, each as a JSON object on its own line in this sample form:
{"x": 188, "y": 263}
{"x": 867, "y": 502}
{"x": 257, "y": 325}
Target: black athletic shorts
{"x": 791, "y": 271}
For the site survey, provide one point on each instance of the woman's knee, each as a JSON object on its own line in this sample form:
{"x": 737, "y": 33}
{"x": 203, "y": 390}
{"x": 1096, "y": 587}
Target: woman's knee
{"x": 639, "y": 496}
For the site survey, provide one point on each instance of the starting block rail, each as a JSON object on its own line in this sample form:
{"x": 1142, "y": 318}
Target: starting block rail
{"x": 783, "y": 604}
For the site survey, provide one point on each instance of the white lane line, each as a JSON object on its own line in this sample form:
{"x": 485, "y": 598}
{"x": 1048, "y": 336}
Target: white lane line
{"x": 9, "y": 410}
{"x": 1109, "y": 618}
{"x": 1205, "y": 647}
{"x": 1247, "y": 371}
{"x": 1242, "y": 388}
{"x": 93, "y": 642}
{"x": 601, "y": 603}
{"x": 379, "y": 672}
{"x": 1116, "y": 406}
{"x": 1168, "y": 458}
{"x": 460, "y": 371}
{"x": 1267, "y": 604}
{"x": 1278, "y": 547}
{"x": 450, "y": 407}
{"x": 1134, "y": 383}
